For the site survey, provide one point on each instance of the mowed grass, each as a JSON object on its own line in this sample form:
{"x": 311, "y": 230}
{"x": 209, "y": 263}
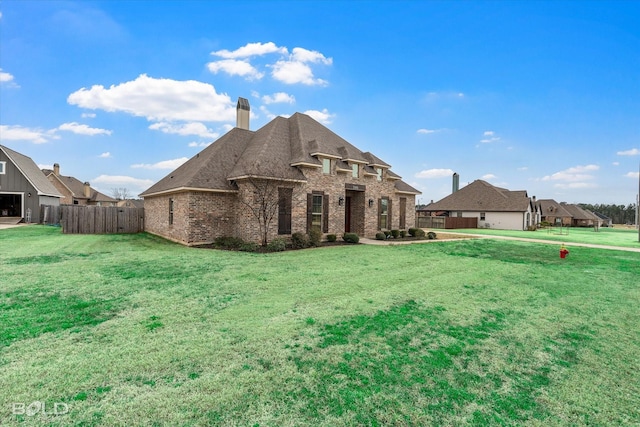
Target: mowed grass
{"x": 134, "y": 330}
{"x": 607, "y": 236}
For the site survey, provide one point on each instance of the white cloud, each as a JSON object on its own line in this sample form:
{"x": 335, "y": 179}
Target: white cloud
{"x": 489, "y": 176}
{"x": 428, "y": 131}
{"x": 293, "y": 72}
{"x": 105, "y": 155}
{"x": 279, "y": 98}
{"x": 199, "y": 144}
{"x": 194, "y": 128}
{"x": 575, "y": 185}
{"x": 523, "y": 168}
{"x": 251, "y": 49}
{"x": 635, "y": 175}
{"x": 323, "y": 116}
{"x": 434, "y": 173}
{"x": 235, "y": 68}
{"x": 574, "y": 174}
{"x": 121, "y": 181}
{"x": 5, "y": 77}
{"x": 159, "y": 99}
{"x": 19, "y": 133}
{"x": 165, "y": 164}
{"x": 489, "y": 137}
{"x": 83, "y": 129}
{"x": 616, "y": 163}
{"x": 632, "y": 152}
{"x": 88, "y": 115}
{"x": 45, "y": 166}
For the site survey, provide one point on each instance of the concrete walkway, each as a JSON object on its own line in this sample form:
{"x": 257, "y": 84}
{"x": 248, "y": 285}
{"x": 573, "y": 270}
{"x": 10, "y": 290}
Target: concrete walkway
{"x": 484, "y": 236}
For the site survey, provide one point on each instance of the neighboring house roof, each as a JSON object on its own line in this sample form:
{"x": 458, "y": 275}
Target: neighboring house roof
{"x": 602, "y": 216}
{"x": 578, "y": 213}
{"x": 76, "y": 187}
{"x": 549, "y": 207}
{"x": 273, "y": 152}
{"x": 131, "y": 203}
{"x": 480, "y": 196}
{"x": 31, "y": 172}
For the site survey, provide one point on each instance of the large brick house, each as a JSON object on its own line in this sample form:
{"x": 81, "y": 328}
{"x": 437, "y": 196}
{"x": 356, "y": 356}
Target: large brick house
{"x": 294, "y": 168}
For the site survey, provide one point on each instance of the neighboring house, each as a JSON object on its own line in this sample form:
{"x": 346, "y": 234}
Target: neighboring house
{"x": 604, "y": 220}
{"x": 23, "y": 188}
{"x": 76, "y": 192}
{"x": 494, "y": 207}
{"x": 553, "y": 212}
{"x": 131, "y": 203}
{"x": 317, "y": 179}
{"x": 581, "y": 217}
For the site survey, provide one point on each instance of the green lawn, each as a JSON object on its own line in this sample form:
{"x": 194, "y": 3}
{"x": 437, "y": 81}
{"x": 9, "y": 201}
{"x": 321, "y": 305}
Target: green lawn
{"x": 133, "y": 330}
{"x": 607, "y": 236}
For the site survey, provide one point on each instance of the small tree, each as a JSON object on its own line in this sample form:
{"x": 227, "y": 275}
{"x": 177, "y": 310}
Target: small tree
{"x": 264, "y": 204}
{"x": 120, "y": 193}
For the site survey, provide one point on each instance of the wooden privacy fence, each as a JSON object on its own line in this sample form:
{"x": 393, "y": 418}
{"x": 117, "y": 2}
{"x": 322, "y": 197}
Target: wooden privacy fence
{"x": 445, "y": 222}
{"x": 75, "y": 219}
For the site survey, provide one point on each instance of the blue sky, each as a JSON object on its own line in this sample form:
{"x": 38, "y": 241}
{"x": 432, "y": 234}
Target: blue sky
{"x": 542, "y": 96}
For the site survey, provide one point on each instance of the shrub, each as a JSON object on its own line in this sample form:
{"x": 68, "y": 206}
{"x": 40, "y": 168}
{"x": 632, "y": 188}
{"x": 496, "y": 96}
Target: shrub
{"x": 431, "y": 235}
{"x": 350, "y": 237}
{"x": 331, "y": 238}
{"x": 395, "y": 233}
{"x": 387, "y": 233}
{"x": 532, "y": 227}
{"x": 416, "y": 232}
{"x": 315, "y": 237}
{"x": 403, "y": 233}
{"x": 249, "y": 247}
{"x": 227, "y": 242}
{"x": 380, "y": 235}
{"x": 299, "y": 240}
{"x": 277, "y": 245}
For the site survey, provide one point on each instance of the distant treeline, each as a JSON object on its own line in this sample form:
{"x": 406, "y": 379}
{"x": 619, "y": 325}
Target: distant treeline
{"x": 619, "y": 214}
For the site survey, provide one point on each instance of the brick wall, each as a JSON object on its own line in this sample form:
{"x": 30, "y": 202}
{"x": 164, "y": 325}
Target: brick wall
{"x": 200, "y": 217}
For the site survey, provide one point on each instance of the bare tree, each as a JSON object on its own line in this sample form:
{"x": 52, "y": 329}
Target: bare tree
{"x": 120, "y": 193}
{"x": 264, "y": 204}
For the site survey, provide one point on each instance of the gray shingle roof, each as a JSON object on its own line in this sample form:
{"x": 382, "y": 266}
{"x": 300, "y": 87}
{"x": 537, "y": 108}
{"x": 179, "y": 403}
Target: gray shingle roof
{"x": 31, "y": 172}
{"x": 480, "y": 196}
{"x": 549, "y": 207}
{"x": 77, "y": 188}
{"x": 272, "y": 151}
{"x": 578, "y": 213}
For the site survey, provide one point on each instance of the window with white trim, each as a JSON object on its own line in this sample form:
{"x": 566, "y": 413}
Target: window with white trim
{"x": 326, "y": 166}
{"x": 3, "y": 168}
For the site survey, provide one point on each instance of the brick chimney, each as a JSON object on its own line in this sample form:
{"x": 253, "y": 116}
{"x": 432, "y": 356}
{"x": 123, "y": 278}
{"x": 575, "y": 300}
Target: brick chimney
{"x": 56, "y": 169}
{"x": 242, "y": 113}
{"x": 87, "y": 190}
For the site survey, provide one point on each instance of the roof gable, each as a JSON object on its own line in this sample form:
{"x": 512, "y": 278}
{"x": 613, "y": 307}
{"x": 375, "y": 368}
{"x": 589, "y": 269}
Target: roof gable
{"x": 31, "y": 172}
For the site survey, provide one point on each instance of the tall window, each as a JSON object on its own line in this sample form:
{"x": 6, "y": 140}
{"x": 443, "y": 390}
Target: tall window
{"x": 383, "y": 214}
{"x": 379, "y": 174}
{"x": 482, "y": 216}
{"x": 354, "y": 170}
{"x": 3, "y": 167}
{"x": 170, "y": 211}
{"x": 326, "y": 166}
{"x": 318, "y": 211}
{"x": 403, "y": 213}
{"x": 284, "y": 210}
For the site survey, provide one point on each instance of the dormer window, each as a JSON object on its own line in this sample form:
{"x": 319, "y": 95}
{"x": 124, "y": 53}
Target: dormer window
{"x": 379, "y": 174}
{"x": 326, "y": 166}
{"x": 354, "y": 170}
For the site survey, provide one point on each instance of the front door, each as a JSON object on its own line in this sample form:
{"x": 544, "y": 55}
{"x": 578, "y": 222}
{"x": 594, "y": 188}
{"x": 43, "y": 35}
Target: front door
{"x": 347, "y": 214}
